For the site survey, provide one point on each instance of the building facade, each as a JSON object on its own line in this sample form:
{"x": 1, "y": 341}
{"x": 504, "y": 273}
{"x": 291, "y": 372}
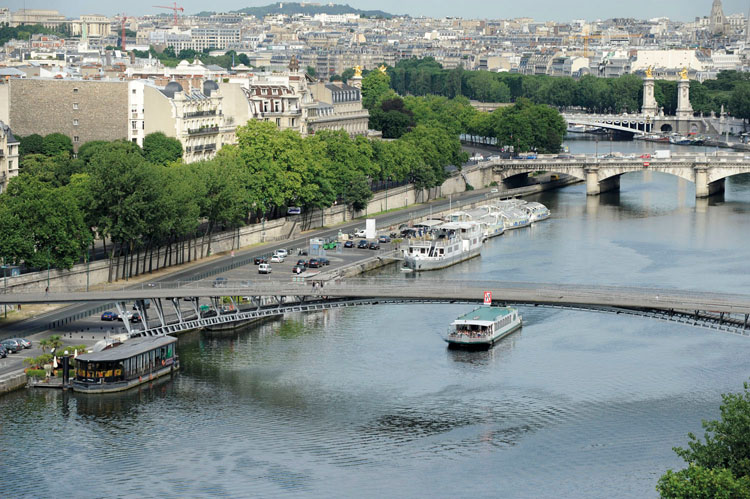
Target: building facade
{"x": 8, "y": 156}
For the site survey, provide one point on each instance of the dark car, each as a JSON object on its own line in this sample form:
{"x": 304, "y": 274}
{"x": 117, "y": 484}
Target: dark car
{"x": 374, "y": 245}
{"x": 260, "y": 259}
{"x": 363, "y": 244}
{"x": 3, "y": 352}
{"x": 298, "y": 269}
{"x": 24, "y": 342}
{"x": 135, "y": 317}
{"x": 349, "y": 244}
{"x": 314, "y": 263}
{"x": 109, "y": 316}
{"x": 384, "y": 239}
{"x": 564, "y": 156}
{"x": 324, "y": 261}
{"x": 302, "y": 263}
{"x": 12, "y": 346}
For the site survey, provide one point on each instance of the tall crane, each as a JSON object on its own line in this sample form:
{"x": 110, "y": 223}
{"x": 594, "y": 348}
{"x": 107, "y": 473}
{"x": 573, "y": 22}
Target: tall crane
{"x": 173, "y": 8}
{"x": 123, "y": 18}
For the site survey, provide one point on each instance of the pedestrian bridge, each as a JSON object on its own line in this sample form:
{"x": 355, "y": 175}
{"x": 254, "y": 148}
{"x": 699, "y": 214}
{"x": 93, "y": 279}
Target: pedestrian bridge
{"x": 635, "y": 124}
{"x": 724, "y": 312}
{"x": 602, "y": 173}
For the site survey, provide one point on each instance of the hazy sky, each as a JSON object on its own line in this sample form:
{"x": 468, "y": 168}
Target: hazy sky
{"x": 558, "y": 10}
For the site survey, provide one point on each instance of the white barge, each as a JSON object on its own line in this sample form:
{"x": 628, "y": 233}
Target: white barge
{"x": 483, "y": 327}
{"x": 444, "y": 245}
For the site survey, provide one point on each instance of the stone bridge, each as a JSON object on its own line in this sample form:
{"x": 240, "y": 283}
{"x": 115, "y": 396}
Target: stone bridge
{"x": 602, "y": 174}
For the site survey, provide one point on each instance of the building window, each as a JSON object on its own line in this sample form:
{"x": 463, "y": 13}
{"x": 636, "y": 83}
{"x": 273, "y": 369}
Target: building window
{"x": 135, "y": 125}
{"x": 75, "y": 105}
{"x": 75, "y": 122}
{"x": 133, "y": 91}
{"x": 75, "y": 138}
{"x": 278, "y": 122}
{"x": 75, "y": 90}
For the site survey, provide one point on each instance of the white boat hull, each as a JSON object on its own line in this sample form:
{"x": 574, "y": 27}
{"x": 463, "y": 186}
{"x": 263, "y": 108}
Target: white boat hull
{"x": 463, "y": 341}
{"x": 437, "y": 263}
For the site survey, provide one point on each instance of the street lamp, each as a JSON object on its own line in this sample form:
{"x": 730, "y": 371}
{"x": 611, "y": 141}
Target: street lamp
{"x": 5, "y": 281}
{"x": 48, "y": 258}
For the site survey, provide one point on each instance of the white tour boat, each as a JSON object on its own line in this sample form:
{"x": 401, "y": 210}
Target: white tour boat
{"x": 536, "y": 211}
{"x": 444, "y": 245}
{"x": 483, "y": 327}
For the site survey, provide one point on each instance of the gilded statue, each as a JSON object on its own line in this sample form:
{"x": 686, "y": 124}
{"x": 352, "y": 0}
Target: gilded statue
{"x": 358, "y": 71}
{"x": 382, "y": 69}
{"x": 684, "y": 74}
{"x": 649, "y": 72}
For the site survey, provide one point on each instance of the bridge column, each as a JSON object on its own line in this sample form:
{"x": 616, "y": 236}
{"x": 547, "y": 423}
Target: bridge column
{"x": 610, "y": 184}
{"x": 592, "y": 180}
{"x": 702, "y": 188}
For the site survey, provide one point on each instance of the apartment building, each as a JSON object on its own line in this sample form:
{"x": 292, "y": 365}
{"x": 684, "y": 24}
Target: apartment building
{"x": 338, "y": 107}
{"x": 8, "y": 156}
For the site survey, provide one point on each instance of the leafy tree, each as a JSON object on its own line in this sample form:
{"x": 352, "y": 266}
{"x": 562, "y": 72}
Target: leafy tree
{"x": 374, "y": 86}
{"x": 160, "y": 149}
{"x": 311, "y": 71}
{"x": 357, "y": 192}
{"x": 32, "y": 144}
{"x": 347, "y": 74}
{"x": 739, "y": 104}
{"x": 57, "y": 143}
{"x": 720, "y": 466}
{"x": 244, "y": 59}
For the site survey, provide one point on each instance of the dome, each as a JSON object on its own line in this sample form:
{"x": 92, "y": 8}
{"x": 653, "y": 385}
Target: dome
{"x": 209, "y": 86}
{"x": 172, "y": 88}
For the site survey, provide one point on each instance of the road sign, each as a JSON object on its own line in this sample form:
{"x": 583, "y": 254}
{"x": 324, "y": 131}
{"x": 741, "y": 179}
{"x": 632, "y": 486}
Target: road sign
{"x": 488, "y": 297}
{"x": 646, "y": 164}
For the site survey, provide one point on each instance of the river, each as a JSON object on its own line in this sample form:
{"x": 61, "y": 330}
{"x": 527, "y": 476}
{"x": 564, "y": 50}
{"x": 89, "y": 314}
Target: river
{"x": 368, "y": 402}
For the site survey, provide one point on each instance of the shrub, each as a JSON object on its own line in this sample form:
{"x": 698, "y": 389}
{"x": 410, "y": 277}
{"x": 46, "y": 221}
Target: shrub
{"x": 36, "y": 373}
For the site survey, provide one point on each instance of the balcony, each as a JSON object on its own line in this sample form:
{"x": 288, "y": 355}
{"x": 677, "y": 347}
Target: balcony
{"x": 201, "y": 148}
{"x": 209, "y": 130}
{"x": 199, "y": 114}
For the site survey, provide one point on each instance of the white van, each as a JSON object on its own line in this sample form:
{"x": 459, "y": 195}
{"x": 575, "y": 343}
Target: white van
{"x": 264, "y": 268}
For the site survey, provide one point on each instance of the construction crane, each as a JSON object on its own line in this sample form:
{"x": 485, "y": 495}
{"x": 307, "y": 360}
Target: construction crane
{"x": 174, "y": 8}
{"x": 611, "y": 36}
{"x": 123, "y": 18}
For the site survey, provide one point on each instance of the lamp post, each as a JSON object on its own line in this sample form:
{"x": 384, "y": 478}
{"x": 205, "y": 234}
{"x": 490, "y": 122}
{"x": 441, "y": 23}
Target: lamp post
{"x": 48, "y": 258}
{"x": 5, "y": 284}
{"x": 86, "y": 256}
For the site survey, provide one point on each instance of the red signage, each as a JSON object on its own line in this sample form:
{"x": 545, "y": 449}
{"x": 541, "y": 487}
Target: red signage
{"x": 646, "y": 164}
{"x": 488, "y": 297}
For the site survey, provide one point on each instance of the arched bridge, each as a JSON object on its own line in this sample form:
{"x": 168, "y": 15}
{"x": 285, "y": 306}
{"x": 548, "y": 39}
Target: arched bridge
{"x": 725, "y": 312}
{"x": 602, "y": 173}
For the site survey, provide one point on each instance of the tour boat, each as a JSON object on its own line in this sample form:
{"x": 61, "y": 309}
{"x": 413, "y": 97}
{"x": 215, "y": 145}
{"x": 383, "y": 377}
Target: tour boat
{"x": 124, "y": 366}
{"x": 483, "y": 327}
{"x": 536, "y": 211}
{"x": 444, "y": 245}
{"x": 515, "y": 218}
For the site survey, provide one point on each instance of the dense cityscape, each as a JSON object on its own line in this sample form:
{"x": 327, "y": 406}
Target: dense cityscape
{"x": 316, "y": 250}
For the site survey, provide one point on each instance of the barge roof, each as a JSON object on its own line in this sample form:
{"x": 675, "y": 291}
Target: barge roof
{"x": 128, "y": 349}
{"x": 483, "y": 315}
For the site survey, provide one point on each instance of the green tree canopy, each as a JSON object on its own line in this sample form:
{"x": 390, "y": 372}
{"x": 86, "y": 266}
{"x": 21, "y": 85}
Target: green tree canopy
{"x": 374, "y": 86}
{"x": 160, "y": 149}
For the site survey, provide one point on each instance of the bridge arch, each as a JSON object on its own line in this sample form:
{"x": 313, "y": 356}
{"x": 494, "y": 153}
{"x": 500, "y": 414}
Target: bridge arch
{"x": 718, "y": 173}
{"x": 504, "y": 173}
{"x": 618, "y": 171}
{"x": 666, "y": 127}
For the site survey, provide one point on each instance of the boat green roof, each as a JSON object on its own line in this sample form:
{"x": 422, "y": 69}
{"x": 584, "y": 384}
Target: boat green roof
{"x": 486, "y": 314}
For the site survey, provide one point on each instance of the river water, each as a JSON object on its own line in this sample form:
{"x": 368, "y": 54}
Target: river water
{"x": 368, "y": 402}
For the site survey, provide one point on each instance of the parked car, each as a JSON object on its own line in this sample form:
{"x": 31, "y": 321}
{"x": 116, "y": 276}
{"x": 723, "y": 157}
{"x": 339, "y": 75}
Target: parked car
{"x": 324, "y": 261}
{"x": 220, "y": 282}
{"x": 314, "y": 263}
{"x": 109, "y": 316}
{"x": 374, "y": 245}
{"x": 135, "y": 317}
{"x": 3, "y": 352}
{"x": 26, "y": 343}
{"x": 277, "y": 259}
{"x": 302, "y": 263}
{"x": 260, "y": 259}
{"x": 384, "y": 239}
{"x": 264, "y": 268}
{"x": 363, "y": 244}
{"x": 349, "y": 244}
{"x": 360, "y": 233}
{"x": 298, "y": 269}
{"x": 12, "y": 346}
{"x": 645, "y": 156}
{"x": 564, "y": 156}
{"x": 281, "y": 253}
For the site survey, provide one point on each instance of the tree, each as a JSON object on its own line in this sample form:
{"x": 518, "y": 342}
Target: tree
{"x": 31, "y": 144}
{"x": 160, "y": 149}
{"x": 374, "y": 86}
{"x": 57, "y": 143}
{"x": 720, "y": 466}
{"x": 311, "y": 71}
{"x": 739, "y": 103}
{"x": 347, "y": 74}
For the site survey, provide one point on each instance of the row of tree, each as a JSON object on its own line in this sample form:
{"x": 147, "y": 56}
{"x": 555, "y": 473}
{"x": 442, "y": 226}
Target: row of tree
{"x": 169, "y": 57}
{"x": 525, "y": 126}
{"x": 426, "y": 76}
{"x": 139, "y": 201}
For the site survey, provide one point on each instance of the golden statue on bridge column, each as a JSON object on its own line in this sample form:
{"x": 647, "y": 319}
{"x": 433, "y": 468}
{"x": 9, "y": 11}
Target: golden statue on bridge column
{"x": 684, "y": 74}
{"x": 358, "y": 71}
{"x": 649, "y": 72}
{"x": 382, "y": 69}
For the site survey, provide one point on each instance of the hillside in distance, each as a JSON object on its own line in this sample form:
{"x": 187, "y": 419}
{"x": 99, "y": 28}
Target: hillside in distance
{"x": 310, "y": 9}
